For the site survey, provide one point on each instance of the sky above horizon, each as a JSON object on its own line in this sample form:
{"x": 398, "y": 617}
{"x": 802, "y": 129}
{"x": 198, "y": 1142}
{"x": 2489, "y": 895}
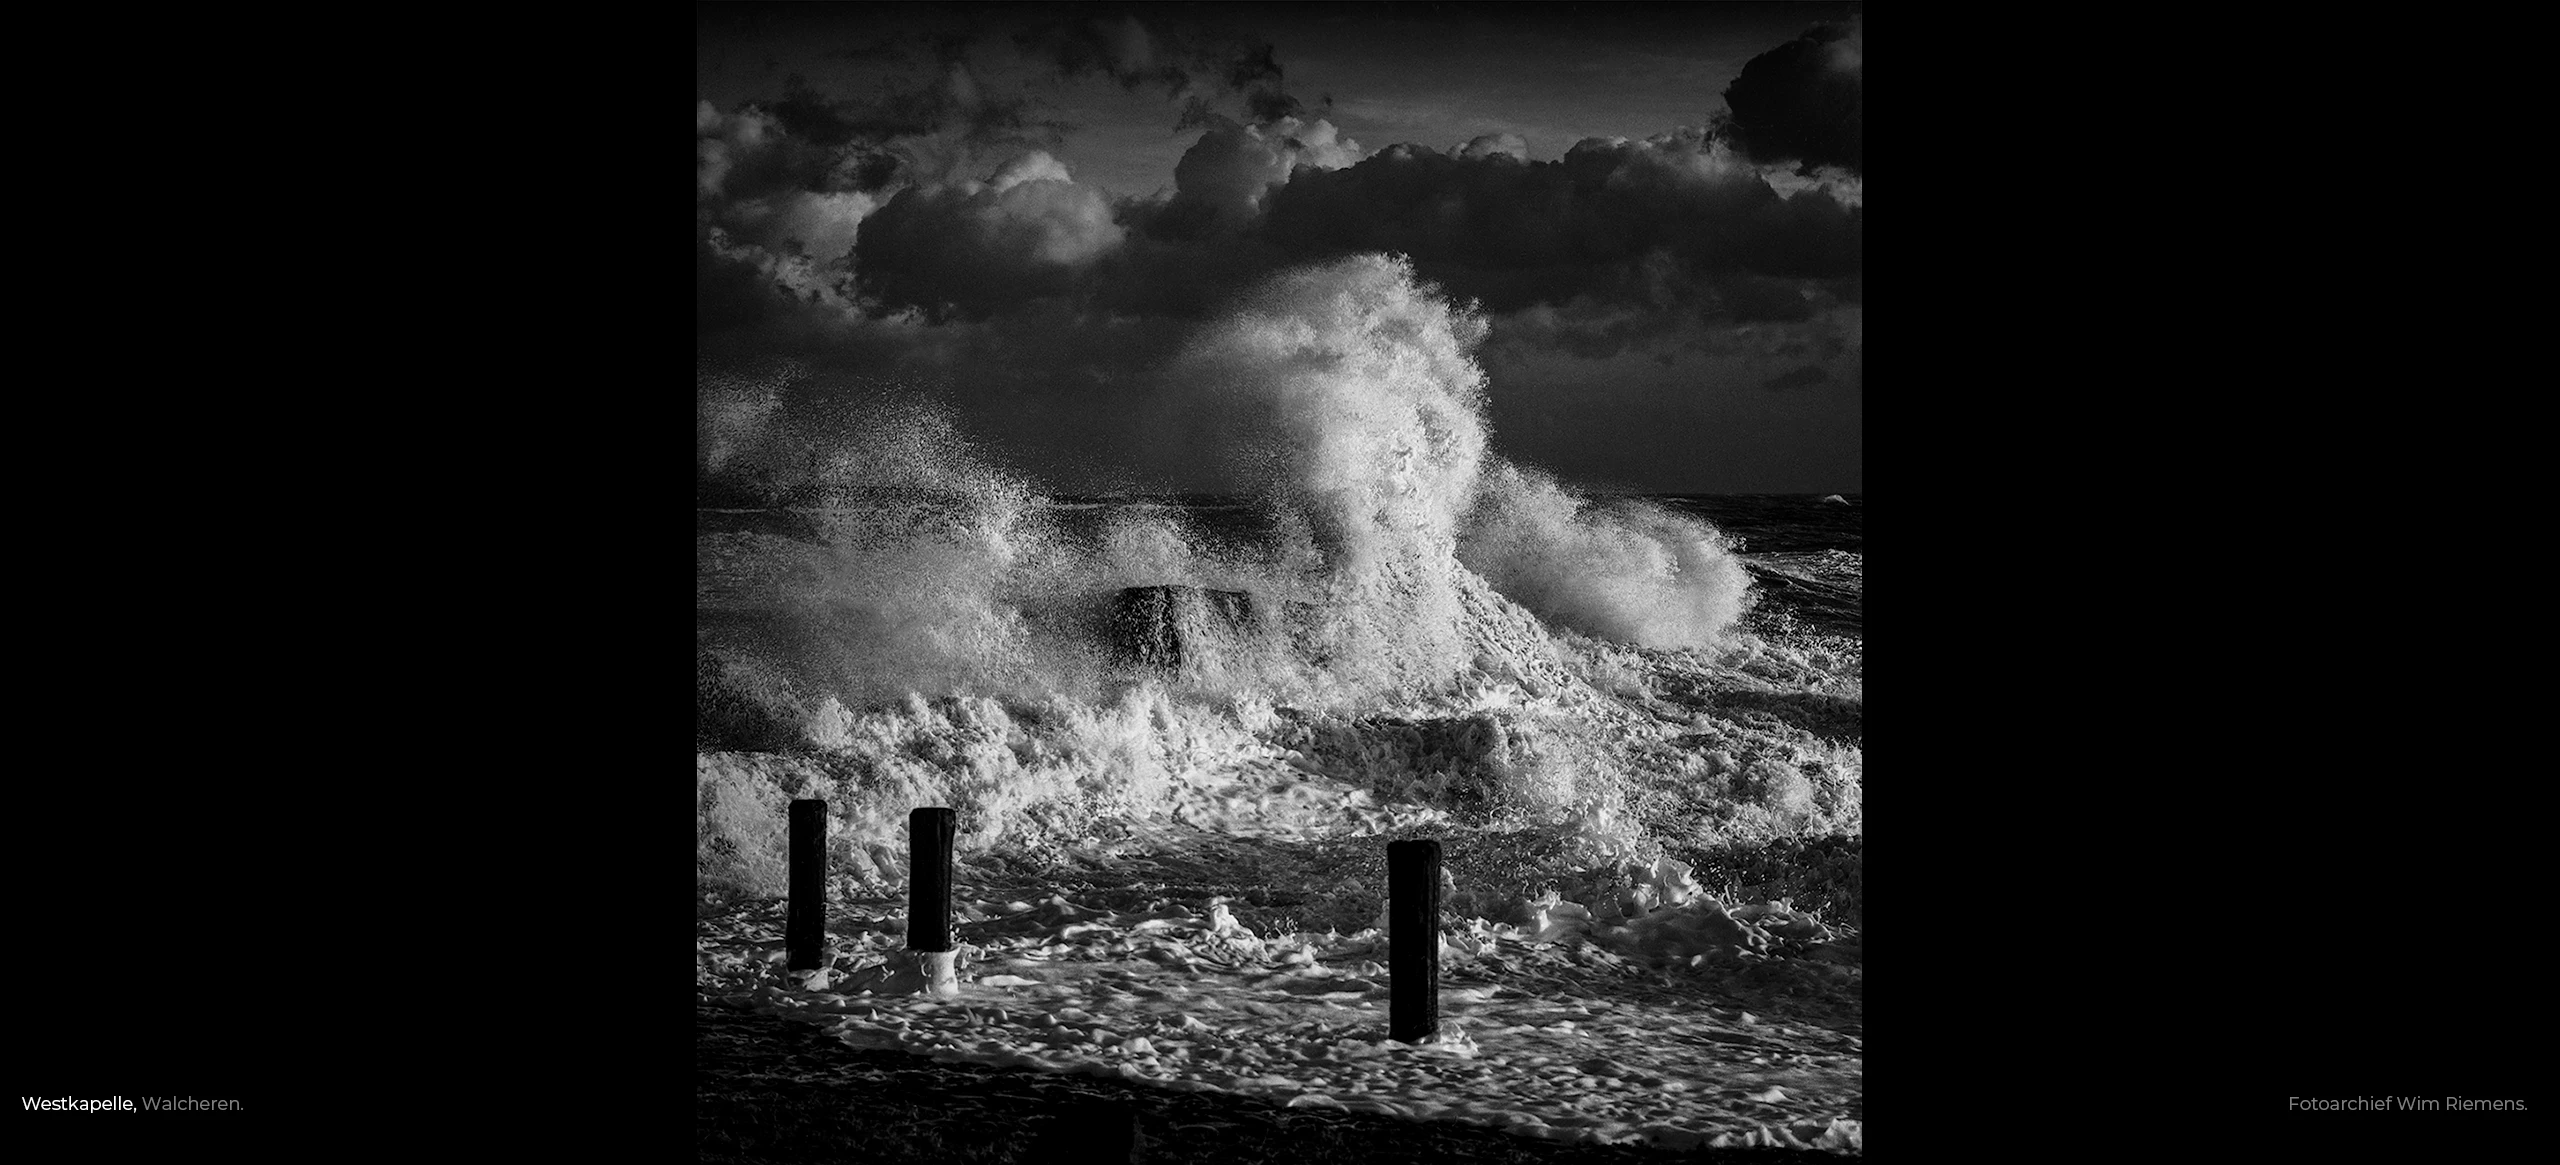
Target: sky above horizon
{"x": 1022, "y": 213}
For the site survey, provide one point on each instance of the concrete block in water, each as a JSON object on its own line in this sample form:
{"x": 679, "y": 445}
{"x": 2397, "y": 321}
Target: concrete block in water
{"x": 1177, "y": 629}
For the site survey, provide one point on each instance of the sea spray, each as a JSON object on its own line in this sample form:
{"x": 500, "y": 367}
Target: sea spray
{"x": 733, "y": 413}
{"x": 914, "y": 592}
{"x": 792, "y": 433}
{"x": 1630, "y": 571}
{"x": 1025, "y": 777}
{"x": 924, "y": 569}
{"x": 1348, "y": 392}
{"x": 1344, "y": 398}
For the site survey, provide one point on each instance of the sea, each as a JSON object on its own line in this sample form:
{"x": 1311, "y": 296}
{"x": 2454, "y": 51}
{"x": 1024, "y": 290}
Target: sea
{"x": 961, "y": 654}
{"x": 1805, "y": 552}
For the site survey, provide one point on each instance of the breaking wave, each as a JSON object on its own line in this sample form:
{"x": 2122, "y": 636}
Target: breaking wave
{"x": 943, "y": 633}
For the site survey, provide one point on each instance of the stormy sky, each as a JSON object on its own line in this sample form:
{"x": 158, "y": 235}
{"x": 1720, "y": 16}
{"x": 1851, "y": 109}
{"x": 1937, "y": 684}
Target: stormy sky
{"x": 1022, "y": 212}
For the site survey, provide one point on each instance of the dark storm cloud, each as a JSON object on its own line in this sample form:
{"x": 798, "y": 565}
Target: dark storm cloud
{"x": 1625, "y": 242}
{"x": 1745, "y": 298}
{"x": 1488, "y": 145}
{"x": 1178, "y": 277}
{"x": 1809, "y": 374}
{"x": 750, "y": 153}
{"x": 1120, "y": 49}
{"x": 1803, "y": 101}
{"x": 808, "y": 142}
{"x": 1660, "y": 222}
{"x": 1272, "y": 105}
{"x": 1194, "y": 62}
{"x": 1262, "y": 106}
{"x": 886, "y": 51}
{"x": 1225, "y": 180}
{"x": 1176, "y": 57}
{"x": 1585, "y": 326}
{"x": 728, "y": 294}
{"x": 953, "y": 105}
{"x": 967, "y": 250}
{"x": 780, "y": 297}
{"x": 784, "y": 182}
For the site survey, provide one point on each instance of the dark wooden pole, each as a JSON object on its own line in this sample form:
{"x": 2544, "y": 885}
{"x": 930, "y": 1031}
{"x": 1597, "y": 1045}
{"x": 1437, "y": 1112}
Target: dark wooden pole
{"x": 804, "y": 921}
{"x": 1413, "y": 936}
{"x": 929, "y": 833}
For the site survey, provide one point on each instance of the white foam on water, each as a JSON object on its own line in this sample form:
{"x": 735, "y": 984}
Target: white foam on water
{"x": 1180, "y": 997}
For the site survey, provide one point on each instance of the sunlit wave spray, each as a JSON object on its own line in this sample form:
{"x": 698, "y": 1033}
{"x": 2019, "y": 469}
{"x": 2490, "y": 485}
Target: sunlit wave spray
{"x": 1346, "y": 398}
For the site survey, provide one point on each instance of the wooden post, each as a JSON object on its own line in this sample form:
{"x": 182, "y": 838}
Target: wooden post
{"x": 929, "y": 833}
{"x": 804, "y": 920}
{"x": 1413, "y": 936}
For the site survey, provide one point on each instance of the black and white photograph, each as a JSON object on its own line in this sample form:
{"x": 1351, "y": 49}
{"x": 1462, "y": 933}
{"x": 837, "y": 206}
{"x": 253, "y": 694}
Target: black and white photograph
{"x": 1279, "y": 583}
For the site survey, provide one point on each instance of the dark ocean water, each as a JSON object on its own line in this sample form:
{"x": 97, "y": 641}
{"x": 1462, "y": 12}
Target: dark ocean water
{"x": 1779, "y": 523}
{"x": 1805, "y": 551}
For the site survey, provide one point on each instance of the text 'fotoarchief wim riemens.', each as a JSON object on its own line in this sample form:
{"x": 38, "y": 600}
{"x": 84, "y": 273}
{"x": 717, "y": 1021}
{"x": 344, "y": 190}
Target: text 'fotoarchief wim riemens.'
{"x": 2400, "y": 1104}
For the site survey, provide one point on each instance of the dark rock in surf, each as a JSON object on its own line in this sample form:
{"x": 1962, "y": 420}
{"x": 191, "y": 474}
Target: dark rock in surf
{"x": 1194, "y": 631}
{"x": 1171, "y": 630}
